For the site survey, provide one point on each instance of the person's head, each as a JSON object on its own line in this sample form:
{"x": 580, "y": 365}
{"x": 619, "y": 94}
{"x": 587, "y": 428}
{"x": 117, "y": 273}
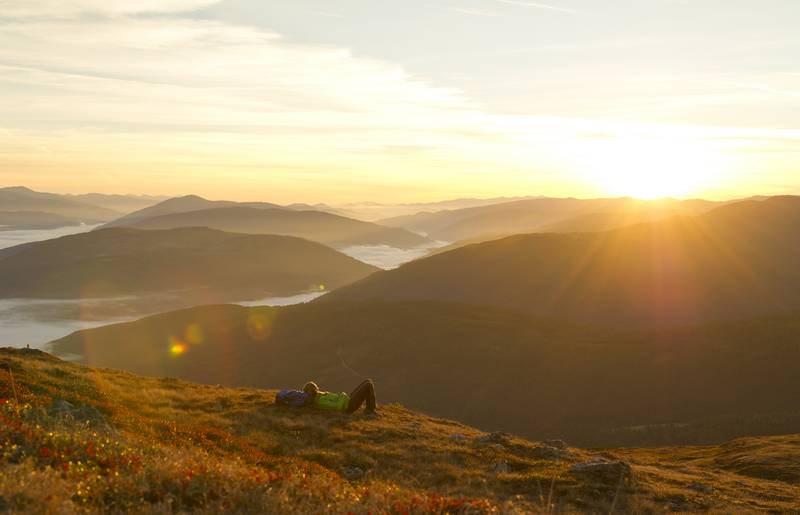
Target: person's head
{"x": 311, "y": 388}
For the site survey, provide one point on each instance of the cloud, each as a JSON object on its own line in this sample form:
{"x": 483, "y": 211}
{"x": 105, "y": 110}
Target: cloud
{"x": 68, "y": 8}
{"x": 160, "y": 97}
{"x": 535, "y": 5}
{"x": 328, "y": 14}
{"x": 246, "y": 113}
{"x": 470, "y": 11}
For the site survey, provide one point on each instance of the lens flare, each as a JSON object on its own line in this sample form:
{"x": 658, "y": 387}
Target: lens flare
{"x": 259, "y": 326}
{"x": 194, "y": 334}
{"x": 176, "y": 347}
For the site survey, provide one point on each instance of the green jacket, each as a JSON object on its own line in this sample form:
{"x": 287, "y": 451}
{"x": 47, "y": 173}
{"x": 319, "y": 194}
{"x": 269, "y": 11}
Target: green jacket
{"x": 332, "y": 401}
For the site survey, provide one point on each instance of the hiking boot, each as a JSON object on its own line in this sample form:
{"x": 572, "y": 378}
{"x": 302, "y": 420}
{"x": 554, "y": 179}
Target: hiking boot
{"x": 372, "y": 414}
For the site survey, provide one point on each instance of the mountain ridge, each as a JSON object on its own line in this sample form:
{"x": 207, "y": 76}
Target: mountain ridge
{"x": 197, "y": 261}
{"x": 326, "y": 228}
{"x": 735, "y": 261}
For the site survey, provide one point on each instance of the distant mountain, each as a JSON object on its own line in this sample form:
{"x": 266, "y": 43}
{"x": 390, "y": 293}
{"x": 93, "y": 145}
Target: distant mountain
{"x": 544, "y": 215}
{"x": 33, "y": 220}
{"x": 496, "y": 370}
{"x": 119, "y": 203}
{"x": 330, "y": 229}
{"x": 374, "y": 211}
{"x": 24, "y": 199}
{"x": 202, "y": 264}
{"x": 183, "y": 204}
{"x": 740, "y": 260}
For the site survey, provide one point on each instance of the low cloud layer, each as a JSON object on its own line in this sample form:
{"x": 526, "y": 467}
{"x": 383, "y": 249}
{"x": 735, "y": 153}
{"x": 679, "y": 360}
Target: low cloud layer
{"x": 65, "y": 8}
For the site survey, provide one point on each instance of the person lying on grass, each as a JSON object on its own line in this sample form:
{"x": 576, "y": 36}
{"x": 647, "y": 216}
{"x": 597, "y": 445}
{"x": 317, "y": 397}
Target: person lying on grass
{"x": 311, "y": 395}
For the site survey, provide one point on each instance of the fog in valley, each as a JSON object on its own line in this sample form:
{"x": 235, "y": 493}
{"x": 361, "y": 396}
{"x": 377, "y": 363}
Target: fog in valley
{"x": 35, "y": 322}
{"x": 10, "y": 238}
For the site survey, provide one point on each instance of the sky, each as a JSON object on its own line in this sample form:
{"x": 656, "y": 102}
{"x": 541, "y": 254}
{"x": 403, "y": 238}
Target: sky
{"x": 399, "y": 101}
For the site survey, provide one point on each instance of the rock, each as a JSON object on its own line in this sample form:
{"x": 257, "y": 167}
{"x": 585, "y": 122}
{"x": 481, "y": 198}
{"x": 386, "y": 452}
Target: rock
{"x": 353, "y": 473}
{"x": 89, "y": 414}
{"x": 558, "y": 444}
{"x": 61, "y": 407}
{"x": 458, "y": 437}
{"x": 548, "y": 452}
{"x": 496, "y": 437}
{"x": 700, "y": 487}
{"x": 602, "y": 469}
{"x": 500, "y": 467}
{"x": 85, "y": 413}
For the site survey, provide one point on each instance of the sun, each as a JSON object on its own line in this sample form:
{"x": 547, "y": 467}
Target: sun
{"x": 651, "y": 168}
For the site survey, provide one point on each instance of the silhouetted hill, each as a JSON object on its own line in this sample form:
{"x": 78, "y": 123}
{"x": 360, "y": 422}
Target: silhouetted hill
{"x": 737, "y": 261}
{"x": 195, "y": 261}
{"x": 92, "y": 440}
{"x": 496, "y": 370}
{"x": 119, "y": 203}
{"x": 374, "y": 211}
{"x": 183, "y": 204}
{"x": 544, "y": 215}
{"x": 327, "y": 228}
{"x": 18, "y": 220}
{"x": 23, "y": 199}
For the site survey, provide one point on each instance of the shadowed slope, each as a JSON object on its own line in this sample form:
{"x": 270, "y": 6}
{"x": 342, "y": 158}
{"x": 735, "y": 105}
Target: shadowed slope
{"x": 213, "y": 264}
{"x": 737, "y": 261}
{"x": 485, "y": 367}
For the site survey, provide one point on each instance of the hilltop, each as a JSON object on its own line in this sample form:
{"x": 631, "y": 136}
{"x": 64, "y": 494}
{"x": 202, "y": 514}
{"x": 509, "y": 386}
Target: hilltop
{"x": 76, "y": 439}
{"x": 738, "y": 261}
{"x": 177, "y": 205}
{"x": 496, "y": 370}
{"x": 203, "y": 265}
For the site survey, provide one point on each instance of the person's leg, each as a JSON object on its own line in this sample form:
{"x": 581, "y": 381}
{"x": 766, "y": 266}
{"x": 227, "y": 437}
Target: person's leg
{"x": 365, "y": 392}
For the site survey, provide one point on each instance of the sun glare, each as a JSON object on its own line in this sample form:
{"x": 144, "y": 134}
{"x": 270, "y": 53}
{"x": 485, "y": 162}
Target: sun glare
{"x": 651, "y": 168}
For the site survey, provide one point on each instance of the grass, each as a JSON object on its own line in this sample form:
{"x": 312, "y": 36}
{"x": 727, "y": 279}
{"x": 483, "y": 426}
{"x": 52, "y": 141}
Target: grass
{"x": 134, "y": 444}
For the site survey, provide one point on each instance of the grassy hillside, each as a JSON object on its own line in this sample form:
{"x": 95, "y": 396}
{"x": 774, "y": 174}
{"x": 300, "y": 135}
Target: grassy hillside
{"x": 326, "y": 228}
{"x": 739, "y": 261}
{"x": 544, "y": 215}
{"x": 200, "y": 263}
{"x": 492, "y": 369}
{"x": 77, "y": 440}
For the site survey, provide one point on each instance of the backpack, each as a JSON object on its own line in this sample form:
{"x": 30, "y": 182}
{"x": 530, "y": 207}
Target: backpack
{"x": 291, "y": 398}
